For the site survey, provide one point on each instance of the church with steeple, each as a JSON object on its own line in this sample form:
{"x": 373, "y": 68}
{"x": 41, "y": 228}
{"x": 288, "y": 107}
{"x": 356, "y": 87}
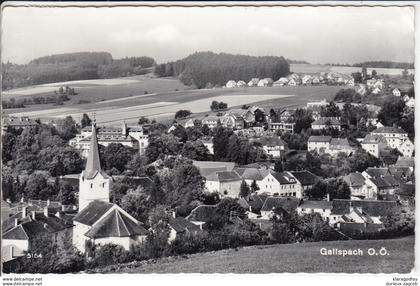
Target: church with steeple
{"x": 98, "y": 221}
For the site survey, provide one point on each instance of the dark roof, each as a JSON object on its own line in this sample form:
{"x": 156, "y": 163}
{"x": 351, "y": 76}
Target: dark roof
{"x": 254, "y": 201}
{"x": 283, "y": 177}
{"x": 202, "y": 213}
{"x": 377, "y": 172}
{"x": 385, "y": 182}
{"x": 116, "y": 224}
{"x": 205, "y": 172}
{"x": 249, "y": 173}
{"x": 355, "y": 179}
{"x": 316, "y": 205}
{"x": 373, "y": 139}
{"x": 94, "y": 211}
{"x": 408, "y": 190}
{"x": 271, "y": 141}
{"x": 288, "y": 204}
{"x": 388, "y": 129}
{"x": 370, "y": 207}
{"x": 319, "y": 139}
{"x": 306, "y": 178}
{"x": 224, "y": 176}
{"x": 180, "y": 224}
{"x": 16, "y": 233}
{"x": 93, "y": 164}
{"x": 214, "y": 164}
{"x": 340, "y": 141}
{"x": 405, "y": 162}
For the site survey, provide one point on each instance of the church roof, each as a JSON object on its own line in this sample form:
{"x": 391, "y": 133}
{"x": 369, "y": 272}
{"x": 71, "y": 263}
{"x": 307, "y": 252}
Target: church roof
{"x": 116, "y": 224}
{"x": 93, "y": 164}
{"x": 94, "y": 211}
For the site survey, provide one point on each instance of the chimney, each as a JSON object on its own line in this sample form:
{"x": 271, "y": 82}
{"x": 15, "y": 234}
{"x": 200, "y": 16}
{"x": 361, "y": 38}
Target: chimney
{"x": 46, "y": 211}
{"x": 23, "y": 212}
{"x": 16, "y": 221}
{"x": 33, "y": 215}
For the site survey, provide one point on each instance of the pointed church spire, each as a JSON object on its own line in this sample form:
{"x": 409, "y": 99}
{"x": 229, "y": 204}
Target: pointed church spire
{"x": 93, "y": 164}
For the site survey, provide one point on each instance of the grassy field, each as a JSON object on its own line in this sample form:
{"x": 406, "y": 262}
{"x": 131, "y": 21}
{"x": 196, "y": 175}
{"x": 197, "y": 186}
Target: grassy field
{"x": 283, "y": 258}
{"x": 163, "y": 105}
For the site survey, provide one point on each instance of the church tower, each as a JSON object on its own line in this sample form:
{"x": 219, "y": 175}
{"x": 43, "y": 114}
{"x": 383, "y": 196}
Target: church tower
{"x": 94, "y": 184}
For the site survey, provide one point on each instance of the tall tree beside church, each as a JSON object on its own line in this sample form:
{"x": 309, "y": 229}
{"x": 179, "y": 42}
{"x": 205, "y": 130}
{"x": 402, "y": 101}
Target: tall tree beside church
{"x": 86, "y": 121}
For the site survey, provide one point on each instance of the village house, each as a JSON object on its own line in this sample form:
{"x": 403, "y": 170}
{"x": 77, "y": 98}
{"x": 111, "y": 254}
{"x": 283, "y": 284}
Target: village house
{"x": 202, "y": 214}
{"x": 293, "y": 82}
{"x": 374, "y": 144}
{"x": 282, "y": 184}
{"x": 383, "y": 180}
{"x": 411, "y": 103}
{"x": 326, "y": 122}
{"x": 406, "y": 194}
{"x": 281, "y": 126}
{"x": 252, "y": 204}
{"x": 287, "y": 205}
{"x": 230, "y": 121}
{"x": 307, "y": 80}
{"x": 242, "y": 114}
{"x": 359, "y": 215}
{"x": 226, "y": 183}
{"x": 273, "y": 146}
{"x": 253, "y": 82}
{"x": 323, "y": 208}
{"x": 281, "y": 81}
{"x": 20, "y": 230}
{"x": 329, "y": 145}
{"x": 306, "y": 179}
{"x": 210, "y": 121}
{"x": 319, "y": 143}
{"x": 266, "y": 82}
{"x": 360, "y": 186}
{"x": 208, "y": 142}
{"x": 360, "y": 89}
{"x": 135, "y": 137}
{"x": 394, "y": 136}
{"x": 287, "y": 115}
{"x": 251, "y": 175}
{"x": 241, "y": 83}
{"x": 396, "y": 92}
{"x": 189, "y": 123}
{"x": 23, "y": 122}
{"x": 316, "y": 104}
{"x": 406, "y": 148}
{"x": 407, "y": 162}
{"x": 98, "y": 221}
{"x": 231, "y": 84}
{"x": 179, "y": 225}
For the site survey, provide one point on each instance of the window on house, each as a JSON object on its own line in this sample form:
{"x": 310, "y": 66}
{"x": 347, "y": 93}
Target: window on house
{"x": 91, "y": 185}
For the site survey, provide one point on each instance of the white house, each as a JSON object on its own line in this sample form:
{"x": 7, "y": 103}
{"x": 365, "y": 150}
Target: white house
{"x": 376, "y": 90}
{"x": 273, "y": 146}
{"x": 326, "y": 122}
{"x": 231, "y": 84}
{"x": 394, "y": 136}
{"x": 374, "y": 144}
{"x": 253, "y": 82}
{"x": 189, "y": 123}
{"x": 407, "y": 148}
{"x": 323, "y": 208}
{"x": 411, "y": 103}
{"x": 241, "y": 83}
{"x": 319, "y": 143}
{"x": 265, "y": 82}
{"x": 210, "y": 121}
{"x": 396, "y": 92}
{"x": 226, "y": 183}
{"x": 209, "y": 144}
{"x": 281, "y": 81}
{"x": 282, "y": 184}
{"x": 360, "y": 186}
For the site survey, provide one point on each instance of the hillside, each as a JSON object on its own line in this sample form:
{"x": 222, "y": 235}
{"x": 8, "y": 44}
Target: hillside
{"x": 72, "y": 66}
{"x": 304, "y": 257}
{"x": 208, "y": 69}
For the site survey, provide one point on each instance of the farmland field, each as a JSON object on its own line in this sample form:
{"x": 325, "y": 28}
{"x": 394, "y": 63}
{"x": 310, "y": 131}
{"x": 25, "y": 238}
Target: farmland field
{"x": 163, "y": 105}
{"x": 315, "y": 68}
{"x": 304, "y": 257}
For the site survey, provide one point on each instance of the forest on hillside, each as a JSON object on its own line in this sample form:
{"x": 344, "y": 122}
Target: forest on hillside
{"x": 72, "y": 66}
{"x": 208, "y": 69}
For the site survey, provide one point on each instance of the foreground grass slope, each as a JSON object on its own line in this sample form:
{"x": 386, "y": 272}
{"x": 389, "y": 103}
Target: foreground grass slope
{"x": 294, "y": 258}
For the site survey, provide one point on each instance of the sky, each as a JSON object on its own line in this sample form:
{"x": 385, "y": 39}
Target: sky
{"x": 314, "y": 34}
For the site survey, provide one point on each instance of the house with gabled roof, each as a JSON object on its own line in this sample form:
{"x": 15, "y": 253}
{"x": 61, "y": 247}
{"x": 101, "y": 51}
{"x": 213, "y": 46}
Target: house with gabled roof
{"x": 306, "y": 179}
{"x": 250, "y": 175}
{"x": 253, "y": 82}
{"x": 252, "y": 203}
{"x": 374, "y": 144}
{"x": 273, "y": 146}
{"x": 360, "y": 186}
{"x": 323, "y": 208}
{"x": 281, "y": 81}
{"x": 406, "y": 148}
{"x": 226, "y": 183}
{"x": 288, "y": 205}
{"x": 326, "y": 122}
{"x": 202, "y": 214}
{"x": 179, "y": 225}
{"x": 394, "y": 136}
{"x": 282, "y": 184}
{"x": 231, "y": 84}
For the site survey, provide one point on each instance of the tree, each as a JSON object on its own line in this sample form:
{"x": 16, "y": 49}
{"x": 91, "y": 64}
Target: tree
{"x": 116, "y": 155}
{"x": 66, "y": 128}
{"x": 214, "y": 105}
{"x": 391, "y": 111}
{"x": 161, "y": 145}
{"x": 374, "y": 73}
{"x": 278, "y": 166}
{"x": 254, "y": 186}
{"x": 220, "y": 141}
{"x": 182, "y": 113}
{"x": 37, "y": 187}
{"x": 143, "y": 120}
{"x": 318, "y": 191}
{"x": 86, "y": 121}
{"x": 244, "y": 190}
{"x": 357, "y": 76}
{"x": 136, "y": 203}
{"x": 120, "y": 187}
{"x": 361, "y": 160}
{"x": 137, "y": 165}
{"x": 338, "y": 189}
{"x": 331, "y": 110}
{"x": 195, "y": 150}
{"x": 67, "y": 194}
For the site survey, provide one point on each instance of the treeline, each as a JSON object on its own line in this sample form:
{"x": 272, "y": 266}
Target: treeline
{"x": 208, "y": 69}
{"x": 72, "y": 66}
{"x": 385, "y": 65}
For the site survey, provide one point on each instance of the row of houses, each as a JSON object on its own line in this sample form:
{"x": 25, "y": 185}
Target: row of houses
{"x": 392, "y": 137}
{"x": 234, "y": 118}
{"x": 225, "y": 179}
{"x": 330, "y": 145}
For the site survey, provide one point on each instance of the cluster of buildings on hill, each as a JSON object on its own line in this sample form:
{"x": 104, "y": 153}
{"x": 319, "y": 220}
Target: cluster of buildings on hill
{"x": 331, "y": 78}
